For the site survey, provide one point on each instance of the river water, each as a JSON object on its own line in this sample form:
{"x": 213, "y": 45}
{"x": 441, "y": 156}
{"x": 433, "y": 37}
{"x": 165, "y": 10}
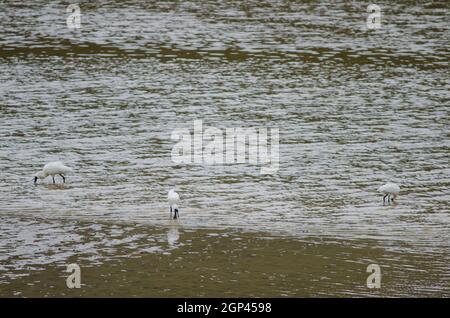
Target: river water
{"x": 355, "y": 108}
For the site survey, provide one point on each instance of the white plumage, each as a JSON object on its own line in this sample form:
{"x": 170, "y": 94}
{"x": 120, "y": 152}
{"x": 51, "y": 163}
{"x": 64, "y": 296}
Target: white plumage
{"x": 53, "y": 169}
{"x": 173, "y": 198}
{"x": 389, "y": 189}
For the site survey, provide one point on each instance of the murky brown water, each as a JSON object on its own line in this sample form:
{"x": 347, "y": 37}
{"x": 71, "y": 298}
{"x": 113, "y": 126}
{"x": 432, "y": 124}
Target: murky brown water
{"x": 355, "y": 108}
{"x": 174, "y": 261}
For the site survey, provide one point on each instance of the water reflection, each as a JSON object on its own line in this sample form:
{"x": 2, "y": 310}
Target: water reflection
{"x": 173, "y": 234}
{"x": 56, "y": 186}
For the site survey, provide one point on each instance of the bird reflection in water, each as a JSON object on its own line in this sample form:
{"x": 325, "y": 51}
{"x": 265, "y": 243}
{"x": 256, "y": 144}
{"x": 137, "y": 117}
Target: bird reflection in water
{"x": 173, "y": 234}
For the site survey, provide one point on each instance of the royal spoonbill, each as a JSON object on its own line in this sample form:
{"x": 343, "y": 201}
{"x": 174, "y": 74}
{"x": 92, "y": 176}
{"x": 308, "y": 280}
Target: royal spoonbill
{"x": 53, "y": 169}
{"x": 389, "y": 189}
{"x": 173, "y": 199}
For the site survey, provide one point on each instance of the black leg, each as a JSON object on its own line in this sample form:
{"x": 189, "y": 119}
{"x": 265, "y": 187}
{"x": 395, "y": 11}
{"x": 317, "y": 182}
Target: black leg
{"x": 64, "y": 179}
{"x": 53, "y": 179}
{"x": 384, "y": 198}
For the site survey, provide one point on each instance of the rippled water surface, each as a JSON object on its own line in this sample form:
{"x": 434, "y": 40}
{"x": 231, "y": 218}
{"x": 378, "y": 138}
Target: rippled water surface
{"x": 355, "y": 108}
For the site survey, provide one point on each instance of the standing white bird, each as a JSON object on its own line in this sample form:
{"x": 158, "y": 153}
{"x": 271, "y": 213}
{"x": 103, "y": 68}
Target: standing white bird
{"x": 173, "y": 199}
{"x": 389, "y": 189}
{"x": 53, "y": 169}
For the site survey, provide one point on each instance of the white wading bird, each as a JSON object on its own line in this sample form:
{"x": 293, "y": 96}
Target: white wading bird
{"x": 53, "y": 169}
{"x": 389, "y": 189}
{"x": 173, "y": 199}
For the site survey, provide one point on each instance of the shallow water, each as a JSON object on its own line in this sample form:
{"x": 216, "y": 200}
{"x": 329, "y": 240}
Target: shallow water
{"x": 355, "y": 108}
{"x": 174, "y": 261}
